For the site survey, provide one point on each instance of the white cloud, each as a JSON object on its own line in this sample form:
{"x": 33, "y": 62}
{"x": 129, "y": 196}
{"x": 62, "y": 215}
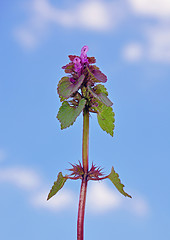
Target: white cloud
{"x": 2, "y": 155}
{"x": 101, "y": 16}
{"x": 157, "y": 35}
{"x": 29, "y": 180}
{"x": 151, "y": 8}
{"x": 156, "y": 47}
{"x": 133, "y": 52}
{"x": 159, "y": 43}
{"x": 20, "y": 177}
{"x": 26, "y": 37}
{"x": 139, "y": 206}
{"x": 101, "y": 199}
{"x": 62, "y": 200}
{"x": 96, "y": 15}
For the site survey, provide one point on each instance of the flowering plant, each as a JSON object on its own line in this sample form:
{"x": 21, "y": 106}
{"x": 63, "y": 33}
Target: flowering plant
{"x": 83, "y": 91}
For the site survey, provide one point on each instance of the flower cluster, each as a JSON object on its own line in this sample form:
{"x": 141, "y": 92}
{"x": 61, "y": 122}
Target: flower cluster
{"x": 83, "y": 88}
{"x": 81, "y": 83}
{"x": 77, "y": 64}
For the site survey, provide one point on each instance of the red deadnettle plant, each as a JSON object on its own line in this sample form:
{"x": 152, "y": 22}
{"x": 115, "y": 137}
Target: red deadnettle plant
{"x": 83, "y": 91}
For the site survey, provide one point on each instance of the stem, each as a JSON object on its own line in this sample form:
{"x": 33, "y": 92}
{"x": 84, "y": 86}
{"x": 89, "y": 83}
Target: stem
{"x": 85, "y": 150}
{"x": 83, "y": 190}
{"x": 81, "y": 211}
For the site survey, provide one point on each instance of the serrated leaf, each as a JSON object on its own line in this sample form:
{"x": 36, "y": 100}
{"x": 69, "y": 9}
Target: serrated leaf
{"x": 68, "y": 114}
{"x": 102, "y": 97}
{"x": 106, "y": 119}
{"x": 100, "y": 89}
{"x": 102, "y": 93}
{"x": 96, "y": 75}
{"x": 114, "y": 177}
{"x": 66, "y": 88}
{"x": 68, "y": 68}
{"x": 57, "y": 185}
{"x": 101, "y": 77}
{"x": 72, "y": 57}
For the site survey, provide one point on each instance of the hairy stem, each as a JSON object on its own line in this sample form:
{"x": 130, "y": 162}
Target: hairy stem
{"x": 83, "y": 190}
{"x": 81, "y": 211}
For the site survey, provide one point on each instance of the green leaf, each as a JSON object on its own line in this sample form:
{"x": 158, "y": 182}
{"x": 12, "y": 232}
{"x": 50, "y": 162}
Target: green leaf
{"x": 67, "y": 114}
{"x": 66, "y": 88}
{"x": 114, "y": 177}
{"x": 101, "y": 96}
{"x": 104, "y": 99}
{"x": 106, "y": 119}
{"x": 57, "y": 185}
{"x": 100, "y": 89}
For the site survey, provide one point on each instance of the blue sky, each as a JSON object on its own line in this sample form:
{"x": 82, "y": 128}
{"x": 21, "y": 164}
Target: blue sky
{"x": 131, "y": 42}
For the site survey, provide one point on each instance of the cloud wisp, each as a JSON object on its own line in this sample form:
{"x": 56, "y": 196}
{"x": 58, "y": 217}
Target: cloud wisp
{"x": 100, "y": 16}
{"x": 132, "y": 52}
{"x": 2, "y": 155}
{"x": 24, "y": 178}
{"x": 153, "y": 8}
{"x": 62, "y": 201}
{"x": 159, "y": 43}
{"x": 28, "y": 180}
{"x": 101, "y": 198}
{"x": 156, "y": 47}
{"x": 92, "y": 15}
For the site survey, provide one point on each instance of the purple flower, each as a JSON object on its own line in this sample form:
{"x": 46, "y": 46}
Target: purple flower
{"x": 83, "y": 55}
{"x": 77, "y": 64}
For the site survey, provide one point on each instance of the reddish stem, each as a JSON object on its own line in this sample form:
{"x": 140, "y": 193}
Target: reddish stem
{"x": 81, "y": 211}
{"x": 83, "y": 190}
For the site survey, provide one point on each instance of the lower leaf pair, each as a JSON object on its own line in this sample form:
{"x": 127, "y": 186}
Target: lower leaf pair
{"x": 113, "y": 176}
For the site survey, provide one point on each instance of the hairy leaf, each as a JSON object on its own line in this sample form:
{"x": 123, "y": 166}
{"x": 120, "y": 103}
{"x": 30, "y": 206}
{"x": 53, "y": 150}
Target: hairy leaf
{"x": 72, "y": 57}
{"x": 68, "y": 114}
{"x": 66, "y": 88}
{"x": 68, "y": 68}
{"x": 100, "y": 89}
{"x": 106, "y": 119}
{"x": 57, "y": 185}
{"x": 104, "y": 99}
{"x": 96, "y": 75}
{"x": 114, "y": 177}
{"x": 101, "y": 96}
